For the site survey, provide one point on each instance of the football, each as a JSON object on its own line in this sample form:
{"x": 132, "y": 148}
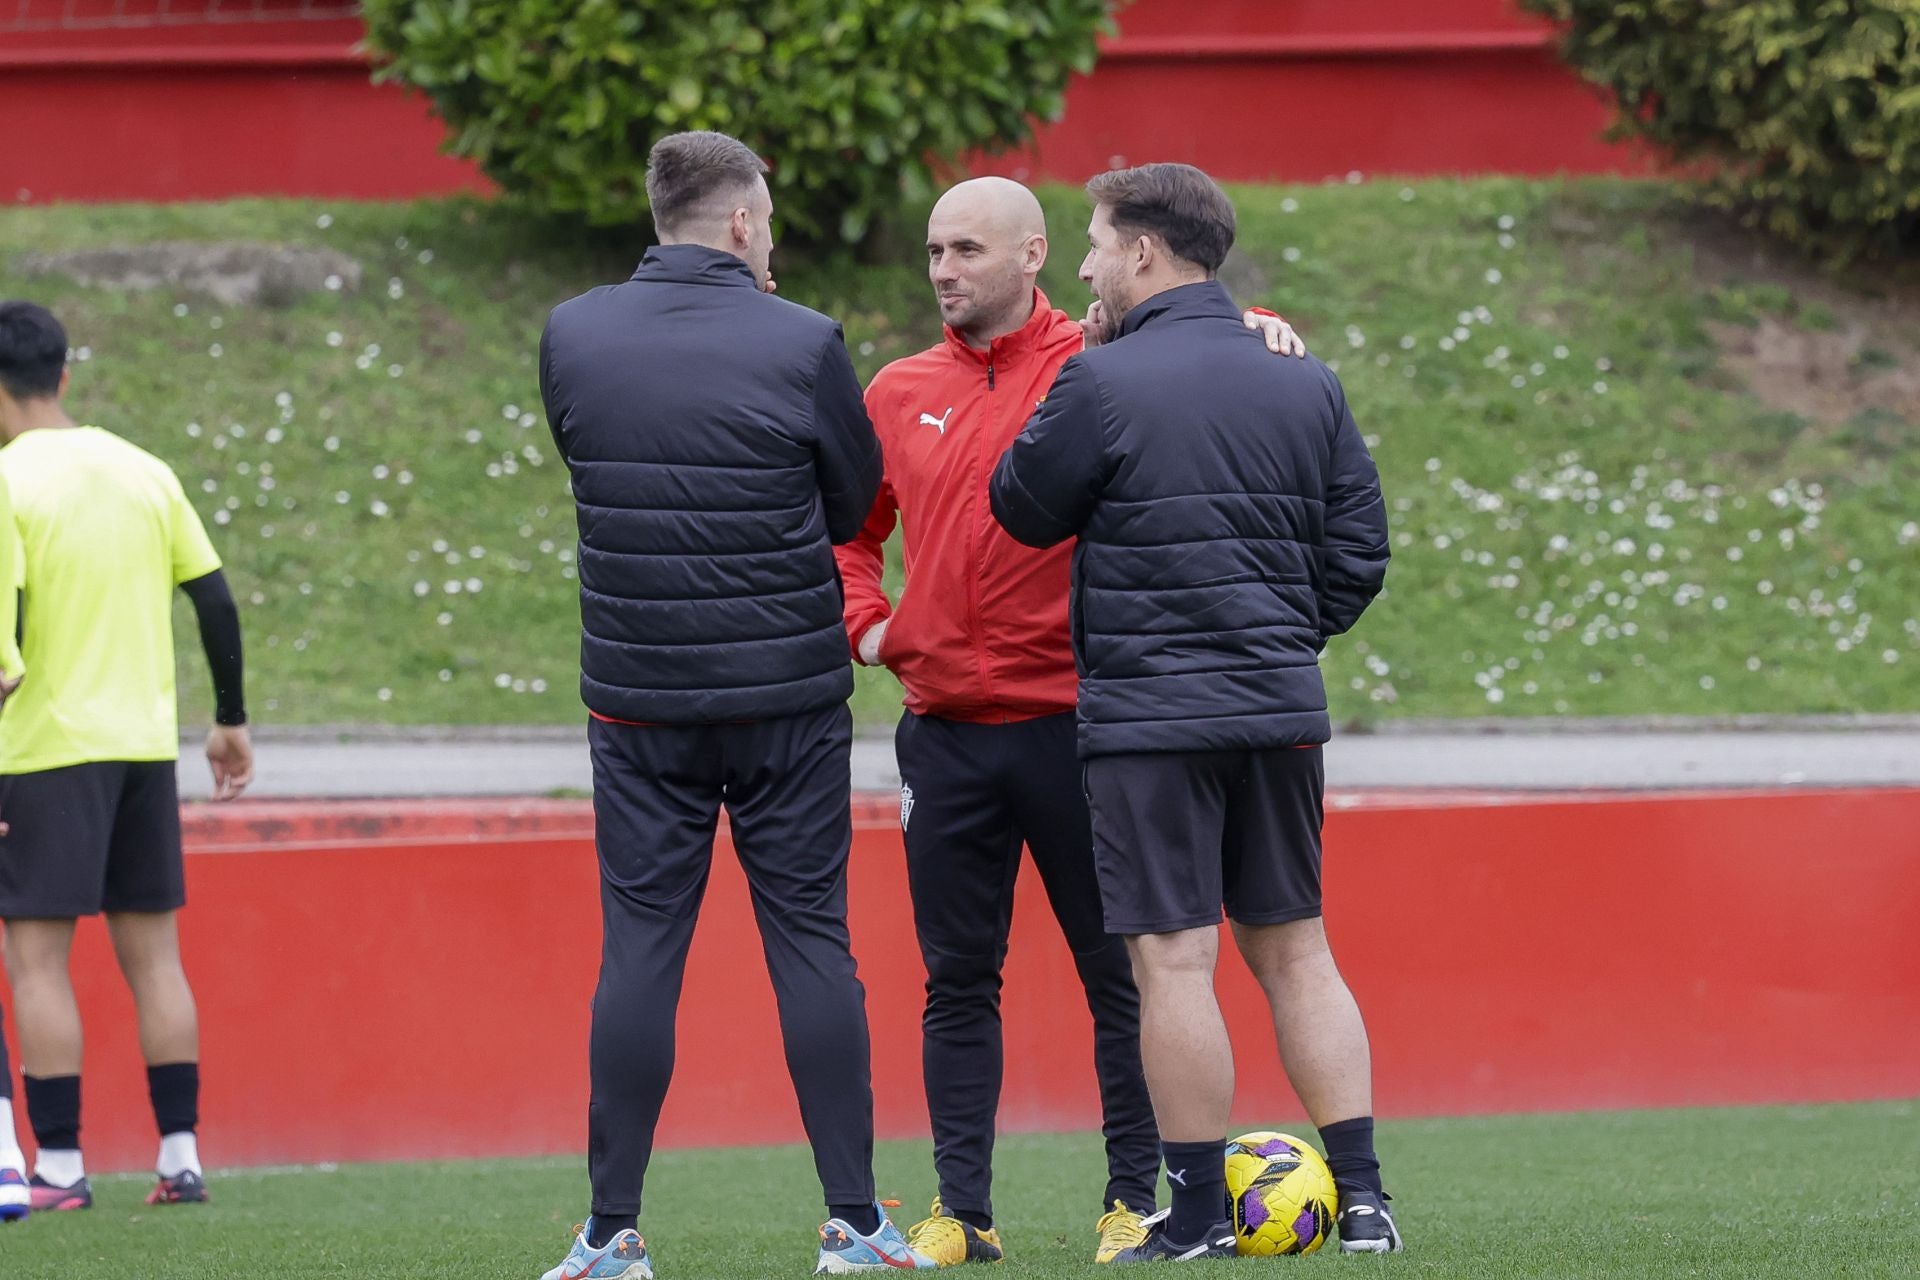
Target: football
{"x": 1280, "y": 1195}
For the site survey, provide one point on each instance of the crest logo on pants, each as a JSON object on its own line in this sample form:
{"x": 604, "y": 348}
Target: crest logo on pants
{"x": 906, "y": 805}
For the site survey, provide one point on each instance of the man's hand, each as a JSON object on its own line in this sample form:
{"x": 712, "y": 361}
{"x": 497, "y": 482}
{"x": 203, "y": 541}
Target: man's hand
{"x": 230, "y": 752}
{"x": 1281, "y": 339}
{"x": 870, "y": 642}
{"x": 1093, "y": 326}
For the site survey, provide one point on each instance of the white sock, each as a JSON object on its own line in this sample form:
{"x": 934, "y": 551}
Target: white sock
{"x": 60, "y": 1168}
{"x": 11, "y": 1156}
{"x": 179, "y": 1153}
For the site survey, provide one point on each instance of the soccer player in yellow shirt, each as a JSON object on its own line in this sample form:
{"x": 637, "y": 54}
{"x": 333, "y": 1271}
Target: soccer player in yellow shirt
{"x": 88, "y": 744}
{"x": 14, "y": 1196}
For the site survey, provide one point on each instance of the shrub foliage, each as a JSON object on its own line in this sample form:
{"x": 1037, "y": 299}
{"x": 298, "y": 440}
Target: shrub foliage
{"x": 851, "y": 101}
{"x": 1805, "y": 114}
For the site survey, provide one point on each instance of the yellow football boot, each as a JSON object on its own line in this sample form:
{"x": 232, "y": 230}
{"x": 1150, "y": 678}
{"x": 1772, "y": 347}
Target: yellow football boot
{"x": 1119, "y": 1230}
{"x": 950, "y": 1242}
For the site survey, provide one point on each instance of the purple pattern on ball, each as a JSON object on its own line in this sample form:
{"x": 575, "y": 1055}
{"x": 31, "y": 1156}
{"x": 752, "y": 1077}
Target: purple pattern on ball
{"x": 1254, "y": 1210}
{"x": 1304, "y": 1227}
{"x": 1275, "y": 1147}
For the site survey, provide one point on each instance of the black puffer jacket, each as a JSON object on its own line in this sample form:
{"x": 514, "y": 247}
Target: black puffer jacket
{"x": 718, "y": 446}
{"x": 1229, "y": 519}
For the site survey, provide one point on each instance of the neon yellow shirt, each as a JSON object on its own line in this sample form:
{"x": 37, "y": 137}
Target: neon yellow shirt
{"x": 106, "y": 534}
{"x": 10, "y": 583}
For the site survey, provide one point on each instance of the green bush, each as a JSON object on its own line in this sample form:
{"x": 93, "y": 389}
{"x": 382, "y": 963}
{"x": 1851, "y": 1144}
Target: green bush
{"x": 851, "y": 101}
{"x": 1805, "y": 114}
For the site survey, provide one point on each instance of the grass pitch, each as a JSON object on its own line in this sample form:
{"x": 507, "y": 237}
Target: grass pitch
{"x": 1744, "y": 1194}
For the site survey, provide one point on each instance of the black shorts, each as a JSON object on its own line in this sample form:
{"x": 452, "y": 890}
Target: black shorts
{"x": 1179, "y": 835}
{"x": 90, "y": 838}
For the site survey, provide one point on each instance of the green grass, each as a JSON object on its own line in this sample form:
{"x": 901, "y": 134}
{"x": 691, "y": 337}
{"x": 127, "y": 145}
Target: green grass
{"x": 1589, "y": 517}
{"x": 1744, "y": 1194}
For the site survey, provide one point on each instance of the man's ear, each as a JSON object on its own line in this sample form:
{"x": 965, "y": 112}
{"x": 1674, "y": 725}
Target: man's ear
{"x": 66, "y": 380}
{"x": 741, "y": 227}
{"x": 1033, "y": 255}
{"x": 1145, "y": 254}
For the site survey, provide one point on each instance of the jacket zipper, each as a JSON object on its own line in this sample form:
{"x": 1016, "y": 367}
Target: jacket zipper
{"x": 979, "y": 551}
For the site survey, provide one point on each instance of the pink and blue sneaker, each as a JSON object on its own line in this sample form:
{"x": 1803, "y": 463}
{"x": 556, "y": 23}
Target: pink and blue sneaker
{"x": 844, "y": 1250}
{"x": 48, "y": 1198}
{"x": 16, "y": 1197}
{"x": 622, "y": 1258}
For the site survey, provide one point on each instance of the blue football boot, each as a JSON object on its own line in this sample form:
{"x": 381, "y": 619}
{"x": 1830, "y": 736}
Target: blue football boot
{"x": 844, "y": 1250}
{"x": 622, "y": 1258}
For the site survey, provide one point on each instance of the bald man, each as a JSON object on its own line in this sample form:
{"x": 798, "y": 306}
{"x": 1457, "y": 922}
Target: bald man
{"x": 979, "y": 638}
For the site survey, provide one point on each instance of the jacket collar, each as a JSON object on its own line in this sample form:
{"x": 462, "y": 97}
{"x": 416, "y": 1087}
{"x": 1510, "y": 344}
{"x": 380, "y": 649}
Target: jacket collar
{"x": 693, "y": 264}
{"x": 1182, "y": 302}
{"x": 1008, "y": 347}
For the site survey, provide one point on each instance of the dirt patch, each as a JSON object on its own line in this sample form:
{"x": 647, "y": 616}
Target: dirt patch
{"x": 1826, "y": 376}
{"x": 235, "y": 274}
{"x": 1841, "y": 345}
{"x": 1833, "y": 348}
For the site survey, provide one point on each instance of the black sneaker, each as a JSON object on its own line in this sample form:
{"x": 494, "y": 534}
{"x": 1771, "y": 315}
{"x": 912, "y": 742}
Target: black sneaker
{"x": 1365, "y": 1224}
{"x": 1216, "y": 1243}
{"x": 186, "y": 1187}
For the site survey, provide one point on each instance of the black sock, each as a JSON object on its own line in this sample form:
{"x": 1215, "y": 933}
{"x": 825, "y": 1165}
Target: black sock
{"x": 174, "y": 1089}
{"x": 863, "y": 1218}
{"x": 978, "y": 1221}
{"x": 1350, "y": 1155}
{"x": 1197, "y": 1172}
{"x": 53, "y": 1109}
{"x": 601, "y": 1230}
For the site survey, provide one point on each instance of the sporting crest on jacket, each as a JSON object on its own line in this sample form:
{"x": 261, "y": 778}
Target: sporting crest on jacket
{"x": 906, "y": 805}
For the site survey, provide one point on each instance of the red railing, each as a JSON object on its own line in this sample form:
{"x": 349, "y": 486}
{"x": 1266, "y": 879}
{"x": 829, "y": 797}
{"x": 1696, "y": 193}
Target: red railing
{"x": 84, "y": 16}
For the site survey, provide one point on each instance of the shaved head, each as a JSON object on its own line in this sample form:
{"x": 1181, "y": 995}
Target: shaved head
{"x": 998, "y": 205}
{"x": 986, "y": 243}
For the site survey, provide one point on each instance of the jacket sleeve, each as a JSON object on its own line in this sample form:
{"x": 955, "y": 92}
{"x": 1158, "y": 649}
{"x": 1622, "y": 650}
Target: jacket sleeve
{"x": 1047, "y": 483}
{"x": 549, "y": 394}
{"x": 1356, "y": 527}
{"x": 846, "y": 453}
{"x": 863, "y": 562}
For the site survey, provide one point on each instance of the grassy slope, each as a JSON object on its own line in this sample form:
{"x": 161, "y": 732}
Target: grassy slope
{"x": 1587, "y": 522}
{"x": 1734, "y": 1194}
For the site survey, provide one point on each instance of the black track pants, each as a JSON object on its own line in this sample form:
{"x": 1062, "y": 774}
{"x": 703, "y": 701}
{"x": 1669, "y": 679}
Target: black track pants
{"x": 971, "y": 795}
{"x": 657, "y": 793}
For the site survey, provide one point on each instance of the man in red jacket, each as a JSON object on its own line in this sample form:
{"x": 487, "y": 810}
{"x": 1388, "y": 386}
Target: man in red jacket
{"x": 979, "y": 638}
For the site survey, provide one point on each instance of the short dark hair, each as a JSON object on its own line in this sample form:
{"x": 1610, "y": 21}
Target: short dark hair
{"x": 689, "y": 174}
{"x": 1176, "y": 203}
{"x": 33, "y": 350}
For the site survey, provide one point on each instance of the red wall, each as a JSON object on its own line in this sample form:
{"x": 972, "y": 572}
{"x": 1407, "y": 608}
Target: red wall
{"x": 411, "y": 980}
{"x": 1308, "y": 89}
{"x": 1250, "y": 89}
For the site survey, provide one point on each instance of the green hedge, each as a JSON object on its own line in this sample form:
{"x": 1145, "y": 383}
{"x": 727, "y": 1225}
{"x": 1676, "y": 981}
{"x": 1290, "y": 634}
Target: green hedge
{"x": 849, "y": 100}
{"x": 1805, "y": 112}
